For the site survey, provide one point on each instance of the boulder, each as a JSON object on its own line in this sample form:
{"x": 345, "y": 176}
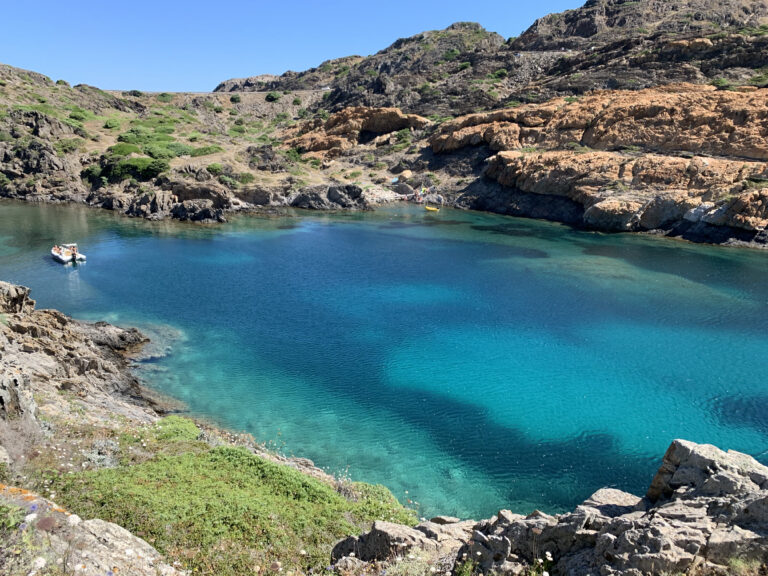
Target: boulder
{"x": 385, "y": 541}
{"x": 15, "y": 299}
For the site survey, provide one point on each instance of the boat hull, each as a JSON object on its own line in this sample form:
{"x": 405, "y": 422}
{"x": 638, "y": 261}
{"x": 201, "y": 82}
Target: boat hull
{"x": 67, "y": 256}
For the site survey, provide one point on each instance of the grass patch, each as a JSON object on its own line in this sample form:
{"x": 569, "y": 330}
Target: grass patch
{"x": 206, "y": 150}
{"x": 165, "y": 98}
{"x": 225, "y": 510}
{"x": 273, "y": 96}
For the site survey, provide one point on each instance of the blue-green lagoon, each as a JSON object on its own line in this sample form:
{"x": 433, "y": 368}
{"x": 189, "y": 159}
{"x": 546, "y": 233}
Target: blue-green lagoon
{"x": 467, "y": 361}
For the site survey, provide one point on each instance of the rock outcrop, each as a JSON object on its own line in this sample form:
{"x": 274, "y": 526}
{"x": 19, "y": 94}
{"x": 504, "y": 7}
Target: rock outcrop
{"x": 625, "y": 159}
{"x": 351, "y": 126}
{"x": 44, "y": 354}
{"x": 704, "y": 508}
{"x": 63, "y": 541}
{"x": 605, "y": 44}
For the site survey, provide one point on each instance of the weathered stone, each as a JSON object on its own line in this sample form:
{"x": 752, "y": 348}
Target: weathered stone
{"x": 385, "y": 541}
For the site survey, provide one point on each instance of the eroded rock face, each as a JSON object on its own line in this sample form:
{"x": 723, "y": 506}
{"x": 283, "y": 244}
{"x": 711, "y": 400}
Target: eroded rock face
{"x": 704, "y": 508}
{"x": 671, "y": 119}
{"x": 625, "y": 158}
{"x": 15, "y": 299}
{"x": 48, "y": 352}
{"x": 345, "y": 129}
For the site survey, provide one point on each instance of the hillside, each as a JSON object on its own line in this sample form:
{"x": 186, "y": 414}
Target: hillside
{"x": 606, "y": 44}
{"x": 617, "y": 116}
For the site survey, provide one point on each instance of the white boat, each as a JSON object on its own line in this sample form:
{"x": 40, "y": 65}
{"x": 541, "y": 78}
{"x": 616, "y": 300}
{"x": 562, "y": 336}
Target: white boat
{"x": 67, "y": 253}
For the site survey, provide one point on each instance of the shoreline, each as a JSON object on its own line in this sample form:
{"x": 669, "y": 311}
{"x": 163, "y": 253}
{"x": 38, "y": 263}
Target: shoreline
{"x": 612, "y": 531}
{"x": 680, "y": 235}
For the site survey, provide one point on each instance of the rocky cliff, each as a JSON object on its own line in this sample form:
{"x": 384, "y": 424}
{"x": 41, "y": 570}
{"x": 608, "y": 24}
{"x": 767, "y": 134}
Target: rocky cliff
{"x": 684, "y": 159}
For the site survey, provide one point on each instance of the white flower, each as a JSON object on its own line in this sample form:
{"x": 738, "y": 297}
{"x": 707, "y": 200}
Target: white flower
{"x": 540, "y": 561}
{"x": 545, "y": 573}
{"x": 548, "y": 554}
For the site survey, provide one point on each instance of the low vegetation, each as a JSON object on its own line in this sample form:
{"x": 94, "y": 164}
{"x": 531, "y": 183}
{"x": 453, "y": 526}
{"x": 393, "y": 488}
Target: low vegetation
{"x": 221, "y": 510}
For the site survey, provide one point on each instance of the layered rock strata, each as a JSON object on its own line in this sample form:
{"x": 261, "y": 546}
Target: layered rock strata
{"x": 666, "y": 158}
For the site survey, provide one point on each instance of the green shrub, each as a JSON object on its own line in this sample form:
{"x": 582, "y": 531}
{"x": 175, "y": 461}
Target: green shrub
{"x": 235, "y": 99}
{"x": 218, "y": 109}
{"x": 228, "y": 181}
{"x": 215, "y": 168}
{"x": 464, "y": 66}
{"x": 141, "y": 136}
{"x": 78, "y": 114}
{"x": 118, "y": 169}
{"x": 111, "y": 124}
{"x": 92, "y": 173}
{"x": 293, "y": 155}
{"x": 159, "y": 152}
{"x": 236, "y": 130}
{"x": 165, "y": 97}
{"x": 180, "y": 149}
{"x": 123, "y": 149}
{"x": 722, "y": 84}
{"x": 245, "y": 178}
{"x": 451, "y": 54}
{"x": 500, "y": 73}
{"x": 296, "y": 101}
{"x": 62, "y": 83}
{"x": 68, "y": 145}
{"x": 175, "y": 429}
{"x": 273, "y": 96}
{"x": 134, "y": 93}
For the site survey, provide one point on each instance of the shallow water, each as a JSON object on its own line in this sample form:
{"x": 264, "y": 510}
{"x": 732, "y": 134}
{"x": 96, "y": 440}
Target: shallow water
{"x": 467, "y": 361}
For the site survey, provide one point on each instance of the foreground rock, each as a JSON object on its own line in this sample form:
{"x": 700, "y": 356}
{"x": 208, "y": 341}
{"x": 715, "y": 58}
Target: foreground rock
{"x": 50, "y": 538}
{"x": 704, "y": 509}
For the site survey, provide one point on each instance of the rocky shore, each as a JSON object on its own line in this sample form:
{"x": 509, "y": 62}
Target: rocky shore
{"x": 704, "y": 513}
{"x": 66, "y": 389}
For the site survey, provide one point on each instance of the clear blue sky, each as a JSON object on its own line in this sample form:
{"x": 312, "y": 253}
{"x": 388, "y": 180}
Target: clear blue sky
{"x": 192, "y": 46}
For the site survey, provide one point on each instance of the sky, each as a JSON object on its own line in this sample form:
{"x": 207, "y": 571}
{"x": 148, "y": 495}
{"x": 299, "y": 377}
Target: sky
{"x": 190, "y": 46}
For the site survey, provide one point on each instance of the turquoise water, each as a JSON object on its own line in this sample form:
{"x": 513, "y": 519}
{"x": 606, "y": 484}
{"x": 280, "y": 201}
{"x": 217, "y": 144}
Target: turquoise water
{"x": 467, "y": 361}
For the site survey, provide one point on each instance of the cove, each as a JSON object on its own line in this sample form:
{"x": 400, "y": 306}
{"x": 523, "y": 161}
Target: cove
{"x": 467, "y": 361}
